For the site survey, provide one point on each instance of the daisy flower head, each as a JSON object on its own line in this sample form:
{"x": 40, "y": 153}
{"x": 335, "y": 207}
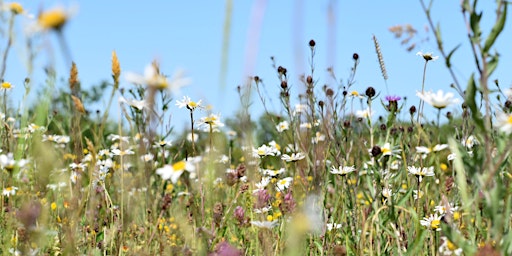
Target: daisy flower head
{"x": 174, "y": 171}
{"x": 53, "y": 19}
{"x": 433, "y": 222}
{"x": 282, "y": 126}
{"x": 264, "y": 150}
{"x": 211, "y": 123}
{"x": 9, "y": 191}
{"x": 6, "y": 86}
{"x": 137, "y": 104}
{"x": 188, "y": 103}
{"x": 342, "y": 170}
{"x": 284, "y": 183}
{"x": 364, "y": 114}
{"x": 439, "y": 99}
{"x": 331, "y": 225}
{"x": 427, "y": 56}
{"x": 504, "y": 122}
{"x": 153, "y": 78}
{"x": 14, "y": 7}
{"x": 387, "y": 192}
{"x": 264, "y": 224}
{"x": 421, "y": 172}
{"x": 448, "y": 248}
{"x": 294, "y": 157}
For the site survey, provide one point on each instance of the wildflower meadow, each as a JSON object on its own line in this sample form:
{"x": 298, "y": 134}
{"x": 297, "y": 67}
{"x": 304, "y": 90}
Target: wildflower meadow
{"x": 324, "y": 175}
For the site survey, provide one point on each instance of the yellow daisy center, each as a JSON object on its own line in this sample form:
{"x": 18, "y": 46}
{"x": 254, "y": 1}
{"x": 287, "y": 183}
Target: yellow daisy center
{"x": 6, "y": 85}
{"x": 509, "y": 119}
{"x": 192, "y": 105}
{"x": 354, "y": 93}
{"x": 179, "y": 166}
{"x": 16, "y": 8}
{"x": 435, "y": 224}
{"x": 53, "y": 19}
{"x": 451, "y": 246}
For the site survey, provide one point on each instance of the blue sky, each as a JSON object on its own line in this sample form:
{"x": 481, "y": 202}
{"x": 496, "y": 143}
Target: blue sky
{"x": 189, "y": 35}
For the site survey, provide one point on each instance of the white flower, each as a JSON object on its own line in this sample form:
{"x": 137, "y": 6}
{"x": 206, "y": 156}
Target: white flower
{"x": 210, "y": 123}
{"x": 284, "y": 183}
{"x": 438, "y": 100}
{"x": 451, "y": 156}
{"x": 118, "y": 152}
{"x": 427, "y": 56}
{"x": 9, "y": 191}
{"x": 421, "y": 171}
{"x": 264, "y": 224}
{"x": 342, "y": 170}
{"x": 147, "y": 157}
{"x": 470, "y": 142}
{"x": 443, "y": 209}
{"x": 426, "y": 150}
{"x": 262, "y": 184}
{"x": 192, "y": 136}
{"x": 188, "y": 103}
{"x": 294, "y": 157}
{"x": 283, "y": 126}
{"x": 273, "y": 173}
{"x": 299, "y": 108}
{"x": 265, "y": 150}
{"x": 447, "y": 248}
{"x": 433, "y": 222}
{"x": 318, "y": 137}
{"x": 7, "y": 161}
{"x": 306, "y": 125}
{"x": 332, "y": 225}
{"x": 138, "y": 104}
{"x": 387, "y": 192}
{"x": 153, "y": 78}
{"x": 504, "y": 122}
{"x": 365, "y": 113}
{"x": 439, "y": 147}
{"x": 174, "y": 171}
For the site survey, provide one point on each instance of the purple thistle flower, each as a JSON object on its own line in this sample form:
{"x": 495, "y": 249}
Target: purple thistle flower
{"x": 393, "y": 98}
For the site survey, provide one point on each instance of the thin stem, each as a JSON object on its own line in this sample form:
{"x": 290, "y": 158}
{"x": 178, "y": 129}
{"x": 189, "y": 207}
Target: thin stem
{"x": 422, "y": 103}
{"x": 192, "y": 130}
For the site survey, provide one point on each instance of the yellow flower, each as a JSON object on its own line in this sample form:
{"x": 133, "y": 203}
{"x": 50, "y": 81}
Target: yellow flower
{"x": 7, "y": 86}
{"x": 15, "y": 8}
{"x": 53, "y": 206}
{"x": 53, "y": 19}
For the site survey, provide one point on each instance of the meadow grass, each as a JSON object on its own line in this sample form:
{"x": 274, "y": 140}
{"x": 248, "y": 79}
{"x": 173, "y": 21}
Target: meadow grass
{"x": 323, "y": 176}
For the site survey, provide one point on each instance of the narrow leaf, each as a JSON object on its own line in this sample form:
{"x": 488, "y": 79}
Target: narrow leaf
{"x": 492, "y": 64}
{"x": 496, "y": 30}
{"x": 448, "y": 63}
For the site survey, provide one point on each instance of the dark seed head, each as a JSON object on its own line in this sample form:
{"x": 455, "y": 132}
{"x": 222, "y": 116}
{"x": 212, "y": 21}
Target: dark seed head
{"x": 370, "y": 92}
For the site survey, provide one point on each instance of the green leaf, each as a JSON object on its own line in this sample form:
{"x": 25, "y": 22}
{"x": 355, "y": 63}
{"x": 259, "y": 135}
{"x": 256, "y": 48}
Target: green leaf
{"x": 438, "y": 36}
{"x": 460, "y": 171}
{"x": 448, "y": 63}
{"x": 471, "y": 103}
{"x": 474, "y": 21}
{"x": 492, "y": 64}
{"x": 496, "y": 30}
{"x": 100, "y": 236}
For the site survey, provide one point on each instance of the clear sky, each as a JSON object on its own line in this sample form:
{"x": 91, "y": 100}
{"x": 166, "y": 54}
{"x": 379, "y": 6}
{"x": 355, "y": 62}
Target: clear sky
{"x": 189, "y": 35}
